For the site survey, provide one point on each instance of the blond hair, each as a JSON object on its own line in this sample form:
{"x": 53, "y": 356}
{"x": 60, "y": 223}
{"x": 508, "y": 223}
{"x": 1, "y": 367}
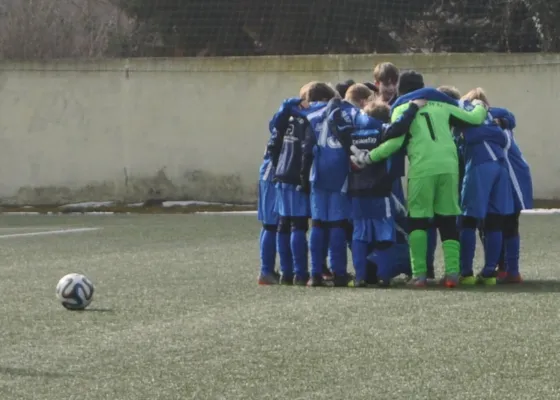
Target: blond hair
{"x": 451, "y": 91}
{"x": 476, "y": 94}
{"x": 357, "y": 94}
{"x": 378, "y": 110}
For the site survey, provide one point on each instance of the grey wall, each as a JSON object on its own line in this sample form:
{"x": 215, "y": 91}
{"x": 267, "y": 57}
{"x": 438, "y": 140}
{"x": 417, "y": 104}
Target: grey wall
{"x": 196, "y": 128}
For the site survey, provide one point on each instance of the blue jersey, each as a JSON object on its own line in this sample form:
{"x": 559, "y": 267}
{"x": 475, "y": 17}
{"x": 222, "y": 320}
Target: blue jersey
{"x": 429, "y": 94}
{"x": 286, "y": 149}
{"x": 266, "y": 171}
{"x": 518, "y": 167}
{"x": 330, "y": 165}
{"x": 374, "y": 180}
{"x": 481, "y": 144}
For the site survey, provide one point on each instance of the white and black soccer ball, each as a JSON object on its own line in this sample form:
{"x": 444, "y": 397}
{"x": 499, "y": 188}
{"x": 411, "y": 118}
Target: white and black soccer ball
{"x": 75, "y": 291}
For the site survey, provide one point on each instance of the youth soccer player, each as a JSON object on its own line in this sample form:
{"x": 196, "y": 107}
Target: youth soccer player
{"x": 267, "y": 215}
{"x": 370, "y": 190}
{"x": 286, "y": 149}
{"x": 431, "y": 150}
{"x": 486, "y": 195}
{"x": 520, "y": 175}
{"x": 386, "y": 76}
{"x": 327, "y": 163}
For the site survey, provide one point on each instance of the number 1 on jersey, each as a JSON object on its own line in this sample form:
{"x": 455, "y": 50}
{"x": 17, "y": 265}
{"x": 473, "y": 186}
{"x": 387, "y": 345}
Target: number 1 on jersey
{"x": 430, "y": 125}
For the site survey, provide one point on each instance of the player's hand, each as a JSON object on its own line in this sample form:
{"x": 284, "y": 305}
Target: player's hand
{"x": 290, "y": 103}
{"x": 304, "y": 186}
{"x": 478, "y": 102}
{"x": 361, "y": 159}
{"x": 420, "y": 102}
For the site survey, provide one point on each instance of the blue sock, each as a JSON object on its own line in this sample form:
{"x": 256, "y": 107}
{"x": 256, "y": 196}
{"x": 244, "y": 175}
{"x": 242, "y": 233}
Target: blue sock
{"x": 298, "y": 244}
{"x": 359, "y": 258}
{"x": 317, "y": 247}
{"x": 492, "y": 250}
{"x": 432, "y": 244}
{"x": 512, "y": 246}
{"x": 325, "y": 247}
{"x": 268, "y": 251}
{"x": 468, "y": 248}
{"x": 385, "y": 261}
{"x": 337, "y": 251}
{"x": 401, "y": 254}
{"x": 285, "y": 254}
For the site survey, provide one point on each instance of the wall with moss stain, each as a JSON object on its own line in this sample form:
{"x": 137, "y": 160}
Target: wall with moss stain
{"x": 129, "y": 130}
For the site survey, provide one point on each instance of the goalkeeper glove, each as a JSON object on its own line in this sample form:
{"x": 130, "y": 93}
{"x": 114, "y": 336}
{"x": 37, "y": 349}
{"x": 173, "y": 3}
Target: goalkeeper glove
{"x": 360, "y": 158}
{"x": 478, "y": 102}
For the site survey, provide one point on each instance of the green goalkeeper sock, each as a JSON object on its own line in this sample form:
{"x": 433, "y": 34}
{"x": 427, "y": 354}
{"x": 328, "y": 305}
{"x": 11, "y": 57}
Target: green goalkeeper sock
{"x": 418, "y": 241}
{"x": 451, "y": 254}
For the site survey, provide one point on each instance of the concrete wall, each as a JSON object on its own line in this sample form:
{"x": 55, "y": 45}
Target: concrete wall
{"x": 196, "y": 128}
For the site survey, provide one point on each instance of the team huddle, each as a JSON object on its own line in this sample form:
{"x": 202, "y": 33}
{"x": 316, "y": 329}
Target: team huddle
{"x": 337, "y": 156}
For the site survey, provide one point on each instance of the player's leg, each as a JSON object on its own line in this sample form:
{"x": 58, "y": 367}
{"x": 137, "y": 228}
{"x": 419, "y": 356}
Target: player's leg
{"x": 446, "y": 209}
{"x": 384, "y": 251}
{"x": 512, "y": 243}
{"x": 298, "y": 245}
{"x": 432, "y": 244}
{"x": 299, "y": 214}
{"x": 421, "y": 194}
{"x": 318, "y": 239}
{"x": 475, "y": 195}
{"x": 284, "y": 250}
{"x": 362, "y": 236}
{"x": 338, "y": 215}
{"x": 267, "y": 214}
{"x": 500, "y": 204}
{"x": 402, "y": 249}
{"x": 327, "y": 273}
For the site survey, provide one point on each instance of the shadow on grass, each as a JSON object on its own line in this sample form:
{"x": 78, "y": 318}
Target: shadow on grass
{"x": 528, "y": 286}
{"x": 107, "y": 310}
{"x": 25, "y": 372}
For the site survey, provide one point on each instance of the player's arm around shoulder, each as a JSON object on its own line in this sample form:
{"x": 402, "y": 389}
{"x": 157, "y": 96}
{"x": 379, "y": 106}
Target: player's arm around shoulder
{"x": 474, "y": 116}
{"x": 400, "y": 124}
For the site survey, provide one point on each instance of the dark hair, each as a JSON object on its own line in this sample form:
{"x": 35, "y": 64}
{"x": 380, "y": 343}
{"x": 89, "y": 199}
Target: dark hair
{"x": 372, "y": 87}
{"x": 409, "y": 81}
{"x": 342, "y": 87}
{"x": 319, "y": 91}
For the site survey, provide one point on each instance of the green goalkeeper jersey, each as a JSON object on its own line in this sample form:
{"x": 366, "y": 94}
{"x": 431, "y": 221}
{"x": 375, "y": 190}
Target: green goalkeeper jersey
{"x": 431, "y": 149}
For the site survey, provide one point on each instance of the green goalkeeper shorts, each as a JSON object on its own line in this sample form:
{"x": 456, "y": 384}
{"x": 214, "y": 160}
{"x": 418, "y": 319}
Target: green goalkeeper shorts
{"x": 430, "y": 195}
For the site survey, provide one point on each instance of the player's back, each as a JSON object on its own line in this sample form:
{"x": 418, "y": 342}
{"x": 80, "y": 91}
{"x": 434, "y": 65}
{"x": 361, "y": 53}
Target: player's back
{"x": 374, "y": 180}
{"x": 431, "y": 148}
{"x": 330, "y": 162}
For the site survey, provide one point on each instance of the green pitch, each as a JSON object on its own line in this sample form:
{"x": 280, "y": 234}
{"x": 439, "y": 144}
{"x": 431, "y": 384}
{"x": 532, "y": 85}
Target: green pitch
{"x": 177, "y": 314}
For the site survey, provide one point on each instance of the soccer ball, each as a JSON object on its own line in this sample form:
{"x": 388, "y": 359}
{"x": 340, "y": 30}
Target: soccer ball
{"x": 74, "y": 291}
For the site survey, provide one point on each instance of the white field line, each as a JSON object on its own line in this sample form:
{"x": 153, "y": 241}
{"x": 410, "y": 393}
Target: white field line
{"x": 55, "y": 232}
{"x": 536, "y": 211}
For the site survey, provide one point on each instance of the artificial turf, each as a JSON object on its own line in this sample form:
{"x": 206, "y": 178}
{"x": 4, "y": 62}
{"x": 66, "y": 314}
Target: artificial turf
{"x": 177, "y": 314}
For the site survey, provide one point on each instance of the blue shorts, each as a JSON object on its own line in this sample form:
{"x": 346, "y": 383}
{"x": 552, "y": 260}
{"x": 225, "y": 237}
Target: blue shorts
{"x": 374, "y": 230}
{"x": 486, "y": 190}
{"x": 329, "y": 206}
{"x": 290, "y": 202}
{"x": 370, "y": 208}
{"x": 266, "y": 208}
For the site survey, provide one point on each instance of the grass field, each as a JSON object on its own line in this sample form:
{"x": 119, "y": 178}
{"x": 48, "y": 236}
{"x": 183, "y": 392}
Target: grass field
{"x": 178, "y": 315}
